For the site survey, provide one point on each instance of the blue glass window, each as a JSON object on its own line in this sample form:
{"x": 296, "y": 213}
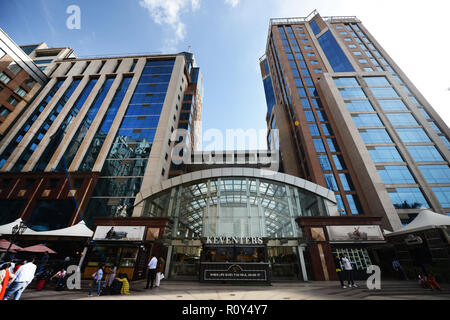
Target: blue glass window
{"x": 100, "y": 136}
{"x": 443, "y": 195}
{"x": 318, "y": 144}
{"x": 445, "y": 141}
{"x": 402, "y": 119}
{"x": 314, "y": 130}
{"x": 330, "y": 181}
{"x": 270, "y": 95}
{"x": 385, "y": 154}
{"x": 82, "y": 130}
{"x": 435, "y": 127}
{"x": 424, "y": 113}
{"x": 359, "y": 105}
{"x": 309, "y": 116}
{"x": 334, "y": 53}
{"x": 301, "y": 92}
{"x": 338, "y": 162}
{"x": 26, "y": 154}
{"x": 436, "y": 173}
{"x": 376, "y": 81}
{"x": 18, "y": 137}
{"x": 375, "y": 136}
{"x": 326, "y": 129}
{"x": 424, "y": 153}
{"x": 408, "y": 198}
{"x": 367, "y": 120}
{"x": 354, "y": 204}
{"x": 324, "y": 162}
{"x": 384, "y": 92}
{"x": 346, "y": 181}
{"x": 58, "y": 136}
{"x": 396, "y": 175}
{"x": 413, "y": 135}
{"x": 414, "y": 100}
{"x": 332, "y": 145}
{"x": 392, "y": 105}
{"x": 315, "y": 28}
{"x": 352, "y": 93}
{"x": 346, "y": 82}
{"x": 43, "y": 61}
{"x": 340, "y": 204}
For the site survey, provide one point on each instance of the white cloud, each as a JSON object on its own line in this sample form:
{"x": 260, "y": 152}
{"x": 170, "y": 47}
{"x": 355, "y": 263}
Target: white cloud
{"x": 168, "y": 12}
{"x": 233, "y": 3}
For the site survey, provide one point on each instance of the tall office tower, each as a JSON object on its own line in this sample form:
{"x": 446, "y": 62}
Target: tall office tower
{"x": 351, "y": 120}
{"x": 99, "y": 132}
{"x": 43, "y": 56}
{"x": 20, "y": 80}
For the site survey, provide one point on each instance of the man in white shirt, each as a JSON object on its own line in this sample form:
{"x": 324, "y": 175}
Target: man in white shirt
{"x": 151, "y": 271}
{"x": 24, "y": 276}
{"x": 348, "y": 270}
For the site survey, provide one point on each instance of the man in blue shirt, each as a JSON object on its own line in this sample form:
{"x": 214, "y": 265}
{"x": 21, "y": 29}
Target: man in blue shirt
{"x": 96, "y": 282}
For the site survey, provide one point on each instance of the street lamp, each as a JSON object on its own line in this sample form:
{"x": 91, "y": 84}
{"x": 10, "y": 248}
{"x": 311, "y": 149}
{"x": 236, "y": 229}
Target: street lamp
{"x": 18, "y": 229}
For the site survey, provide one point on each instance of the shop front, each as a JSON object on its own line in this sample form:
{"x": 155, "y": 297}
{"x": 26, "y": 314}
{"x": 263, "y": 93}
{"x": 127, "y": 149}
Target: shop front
{"x": 234, "y": 259}
{"x": 126, "y": 243}
{"x": 329, "y": 237}
{"x": 235, "y": 228}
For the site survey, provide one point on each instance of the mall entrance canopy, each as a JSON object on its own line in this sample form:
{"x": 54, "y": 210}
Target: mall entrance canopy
{"x": 235, "y": 202}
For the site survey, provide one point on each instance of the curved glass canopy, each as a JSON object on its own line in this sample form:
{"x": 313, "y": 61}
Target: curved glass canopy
{"x": 234, "y": 207}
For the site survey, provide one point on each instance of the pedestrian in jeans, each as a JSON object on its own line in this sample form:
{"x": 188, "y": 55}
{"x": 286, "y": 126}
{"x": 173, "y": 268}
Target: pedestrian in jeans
{"x": 24, "y": 275}
{"x": 348, "y": 270}
{"x": 97, "y": 280}
{"x": 151, "y": 271}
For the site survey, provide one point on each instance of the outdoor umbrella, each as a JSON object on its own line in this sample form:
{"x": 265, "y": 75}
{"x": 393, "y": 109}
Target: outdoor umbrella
{"x": 4, "y": 245}
{"x": 39, "y": 248}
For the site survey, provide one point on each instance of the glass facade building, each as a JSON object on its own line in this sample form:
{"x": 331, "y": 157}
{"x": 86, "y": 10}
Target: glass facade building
{"x": 345, "y": 97}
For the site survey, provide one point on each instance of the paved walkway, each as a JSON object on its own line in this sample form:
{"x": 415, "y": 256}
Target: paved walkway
{"x": 172, "y": 290}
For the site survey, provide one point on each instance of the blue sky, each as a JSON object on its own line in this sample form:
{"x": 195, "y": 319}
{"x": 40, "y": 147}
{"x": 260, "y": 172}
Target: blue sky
{"x": 228, "y": 37}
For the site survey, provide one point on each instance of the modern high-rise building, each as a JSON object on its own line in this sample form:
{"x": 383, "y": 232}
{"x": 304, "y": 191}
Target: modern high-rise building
{"x": 348, "y": 118}
{"x": 97, "y": 134}
{"x": 20, "y": 80}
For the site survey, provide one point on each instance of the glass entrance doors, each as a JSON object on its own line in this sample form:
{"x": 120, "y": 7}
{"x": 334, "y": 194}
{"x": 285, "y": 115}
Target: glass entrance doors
{"x": 185, "y": 263}
{"x": 284, "y": 263}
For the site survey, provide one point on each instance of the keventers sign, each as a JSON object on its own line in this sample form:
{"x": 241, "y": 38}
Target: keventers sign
{"x": 234, "y": 240}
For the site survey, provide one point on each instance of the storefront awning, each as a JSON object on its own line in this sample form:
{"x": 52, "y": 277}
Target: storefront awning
{"x": 78, "y": 230}
{"x": 426, "y": 219}
{"x": 7, "y": 228}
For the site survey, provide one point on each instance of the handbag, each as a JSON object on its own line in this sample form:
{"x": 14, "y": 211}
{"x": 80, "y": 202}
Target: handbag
{"x": 161, "y": 276}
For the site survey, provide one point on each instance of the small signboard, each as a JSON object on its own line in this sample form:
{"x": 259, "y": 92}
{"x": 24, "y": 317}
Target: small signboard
{"x": 235, "y": 273}
{"x": 110, "y": 233}
{"x": 365, "y": 233}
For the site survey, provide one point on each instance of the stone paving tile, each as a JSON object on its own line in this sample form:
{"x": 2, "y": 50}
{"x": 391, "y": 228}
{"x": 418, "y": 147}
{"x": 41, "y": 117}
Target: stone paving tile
{"x": 278, "y": 291}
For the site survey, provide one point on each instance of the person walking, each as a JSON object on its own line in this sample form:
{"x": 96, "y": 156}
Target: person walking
{"x": 24, "y": 276}
{"x": 151, "y": 271}
{"x": 97, "y": 280}
{"x": 159, "y": 271}
{"x": 59, "y": 278}
{"x": 43, "y": 262}
{"x": 109, "y": 278}
{"x": 337, "y": 263}
{"x": 5, "y": 278}
{"x": 398, "y": 270}
{"x": 348, "y": 270}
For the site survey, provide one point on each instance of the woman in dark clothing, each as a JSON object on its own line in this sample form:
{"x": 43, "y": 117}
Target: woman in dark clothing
{"x": 337, "y": 263}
